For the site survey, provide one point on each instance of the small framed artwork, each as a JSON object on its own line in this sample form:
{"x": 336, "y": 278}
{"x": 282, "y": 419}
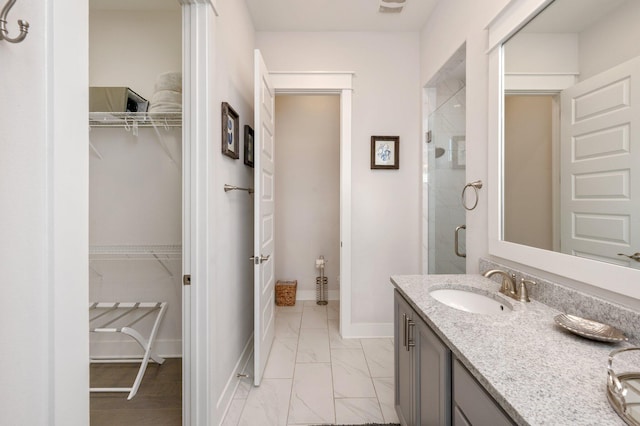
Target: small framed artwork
{"x": 248, "y": 145}
{"x": 230, "y": 130}
{"x": 458, "y": 151}
{"x": 385, "y": 152}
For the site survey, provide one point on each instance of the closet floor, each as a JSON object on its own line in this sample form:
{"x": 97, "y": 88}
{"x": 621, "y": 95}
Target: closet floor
{"x": 313, "y": 376}
{"x": 157, "y": 403}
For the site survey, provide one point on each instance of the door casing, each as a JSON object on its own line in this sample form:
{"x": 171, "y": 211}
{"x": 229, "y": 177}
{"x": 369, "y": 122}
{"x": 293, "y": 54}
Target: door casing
{"x": 332, "y": 83}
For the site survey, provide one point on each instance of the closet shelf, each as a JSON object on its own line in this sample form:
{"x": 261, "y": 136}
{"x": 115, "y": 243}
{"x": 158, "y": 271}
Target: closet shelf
{"x": 170, "y": 250}
{"x": 159, "y": 253}
{"x": 135, "y": 119}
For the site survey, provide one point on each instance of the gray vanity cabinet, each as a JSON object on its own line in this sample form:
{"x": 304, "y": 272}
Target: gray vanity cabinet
{"x": 423, "y": 370}
{"x": 403, "y": 362}
{"x": 472, "y": 405}
{"x": 432, "y": 386}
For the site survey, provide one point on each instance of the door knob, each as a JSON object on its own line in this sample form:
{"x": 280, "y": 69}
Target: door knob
{"x": 634, "y": 256}
{"x": 259, "y": 259}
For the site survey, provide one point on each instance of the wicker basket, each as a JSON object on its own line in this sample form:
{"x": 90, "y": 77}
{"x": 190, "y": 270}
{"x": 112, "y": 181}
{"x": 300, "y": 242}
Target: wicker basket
{"x": 286, "y": 293}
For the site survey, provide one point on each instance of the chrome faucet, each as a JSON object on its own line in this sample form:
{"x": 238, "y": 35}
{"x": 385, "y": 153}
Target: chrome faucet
{"x": 508, "y": 282}
{"x": 508, "y": 287}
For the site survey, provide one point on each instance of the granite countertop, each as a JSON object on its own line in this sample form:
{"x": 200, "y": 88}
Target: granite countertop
{"x": 539, "y": 373}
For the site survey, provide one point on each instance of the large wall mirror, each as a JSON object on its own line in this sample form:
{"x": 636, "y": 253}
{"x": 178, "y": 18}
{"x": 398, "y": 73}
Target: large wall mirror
{"x": 569, "y": 135}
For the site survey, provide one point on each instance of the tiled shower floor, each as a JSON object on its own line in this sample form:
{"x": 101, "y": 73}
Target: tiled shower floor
{"x": 315, "y": 377}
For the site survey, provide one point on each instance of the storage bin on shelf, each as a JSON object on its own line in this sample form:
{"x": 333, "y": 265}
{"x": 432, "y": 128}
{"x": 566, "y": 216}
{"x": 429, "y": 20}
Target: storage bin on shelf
{"x": 286, "y": 293}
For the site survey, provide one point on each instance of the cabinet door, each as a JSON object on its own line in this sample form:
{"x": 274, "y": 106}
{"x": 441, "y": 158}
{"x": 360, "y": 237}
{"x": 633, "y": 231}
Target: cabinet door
{"x": 458, "y": 418}
{"x": 475, "y": 404}
{"x": 434, "y": 375}
{"x": 403, "y": 356}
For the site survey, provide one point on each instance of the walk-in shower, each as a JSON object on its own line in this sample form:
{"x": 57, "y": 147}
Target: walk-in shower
{"x": 444, "y": 160}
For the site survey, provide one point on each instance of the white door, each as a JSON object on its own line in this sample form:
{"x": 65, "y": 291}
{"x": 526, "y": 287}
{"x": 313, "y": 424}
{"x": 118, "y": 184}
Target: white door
{"x": 264, "y": 307}
{"x": 600, "y": 141}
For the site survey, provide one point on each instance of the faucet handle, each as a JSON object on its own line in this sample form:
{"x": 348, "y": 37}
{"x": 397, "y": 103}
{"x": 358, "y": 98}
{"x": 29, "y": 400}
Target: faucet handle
{"x": 523, "y": 293}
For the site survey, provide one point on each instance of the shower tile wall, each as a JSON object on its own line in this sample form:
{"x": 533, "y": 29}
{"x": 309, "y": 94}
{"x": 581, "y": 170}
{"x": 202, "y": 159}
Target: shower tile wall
{"x": 447, "y": 105}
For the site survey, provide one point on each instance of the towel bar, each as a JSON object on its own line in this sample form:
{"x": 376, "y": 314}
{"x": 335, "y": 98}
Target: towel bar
{"x": 228, "y": 188}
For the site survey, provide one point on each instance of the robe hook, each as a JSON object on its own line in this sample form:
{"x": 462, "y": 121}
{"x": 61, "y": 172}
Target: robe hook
{"x": 4, "y": 33}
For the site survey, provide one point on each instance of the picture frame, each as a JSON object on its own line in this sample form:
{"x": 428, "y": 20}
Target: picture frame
{"x": 457, "y": 147}
{"x": 385, "y": 152}
{"x": 230, "y": 132}
{"x": 248, "y": 145}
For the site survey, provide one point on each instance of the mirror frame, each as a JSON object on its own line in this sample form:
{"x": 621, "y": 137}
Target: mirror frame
{"x": 610, "y": 277}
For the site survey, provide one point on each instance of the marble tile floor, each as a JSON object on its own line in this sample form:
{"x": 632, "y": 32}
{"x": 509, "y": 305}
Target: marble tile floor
{"x": 314, "y": 377}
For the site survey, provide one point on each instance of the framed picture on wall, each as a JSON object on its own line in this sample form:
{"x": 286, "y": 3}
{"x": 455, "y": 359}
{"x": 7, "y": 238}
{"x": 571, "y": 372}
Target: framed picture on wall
{"x": 248, "y": 145}
{"x": 385, "y": 152}
{"x": 230, "y": 132}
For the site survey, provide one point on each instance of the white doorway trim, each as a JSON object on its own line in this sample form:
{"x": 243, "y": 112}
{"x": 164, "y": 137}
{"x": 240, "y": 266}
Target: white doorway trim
{"x": 63, "y": 213}
{"x": 339, "y": 83}
{"x": 196, "y": 353}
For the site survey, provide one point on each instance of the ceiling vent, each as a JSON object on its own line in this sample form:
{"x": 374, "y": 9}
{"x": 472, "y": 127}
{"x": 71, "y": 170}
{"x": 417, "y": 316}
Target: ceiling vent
{"x": 391, "y": 6}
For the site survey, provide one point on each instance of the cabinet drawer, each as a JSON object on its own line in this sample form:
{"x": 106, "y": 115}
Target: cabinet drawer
{"x": 458, "y": 417}
{"x": 474, "y": 402}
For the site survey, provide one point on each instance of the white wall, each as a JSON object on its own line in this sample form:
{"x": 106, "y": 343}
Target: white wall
{"x": 386, "y": 101}
{"x": 23, "y": 226}
{"x": 43, "y": 220}
{"x": 612, "y": 41}
{"x": 307, "y": 209}
{"x": 535, "y": 53}
{"x": 230, "y": 215}
{"x": 131, "y": 47}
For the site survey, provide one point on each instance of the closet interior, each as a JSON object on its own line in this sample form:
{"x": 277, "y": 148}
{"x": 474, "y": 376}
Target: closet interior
{"x": 135, "y": 198}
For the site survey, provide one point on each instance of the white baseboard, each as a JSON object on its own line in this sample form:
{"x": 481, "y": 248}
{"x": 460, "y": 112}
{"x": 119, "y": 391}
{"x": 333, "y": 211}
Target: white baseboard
{"x": 129, "y": 348}
{"x": 367, "y": 330}
{"x": 311, "y": 295}
{"x": 233, "y": 382}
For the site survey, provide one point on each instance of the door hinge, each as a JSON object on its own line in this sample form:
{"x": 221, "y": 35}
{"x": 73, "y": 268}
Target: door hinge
{"x": 186, "y": 279}
{"x": 427, "y": 137}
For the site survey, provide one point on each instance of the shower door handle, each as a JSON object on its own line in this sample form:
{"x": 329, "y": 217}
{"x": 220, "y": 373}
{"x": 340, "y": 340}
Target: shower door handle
{"x": 456, "y": 246}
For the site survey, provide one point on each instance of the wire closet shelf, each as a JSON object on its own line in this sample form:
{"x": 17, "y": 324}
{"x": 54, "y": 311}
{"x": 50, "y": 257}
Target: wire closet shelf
{"x": 135, "y": 119}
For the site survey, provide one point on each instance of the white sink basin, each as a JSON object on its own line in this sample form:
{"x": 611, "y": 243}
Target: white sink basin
{"x": 470, "y": 301}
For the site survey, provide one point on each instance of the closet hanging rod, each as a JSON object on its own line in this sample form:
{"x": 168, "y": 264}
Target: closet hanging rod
{"x": 228, "y": 188}
{"x": 4, "y": 33}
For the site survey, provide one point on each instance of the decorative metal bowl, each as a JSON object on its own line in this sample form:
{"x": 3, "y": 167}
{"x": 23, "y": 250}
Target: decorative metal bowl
{"x": 623, "y": 390}
{"x": 590, "y": 329}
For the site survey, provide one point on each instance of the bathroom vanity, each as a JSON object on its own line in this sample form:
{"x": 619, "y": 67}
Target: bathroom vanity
{"x": 432, "y": 386}
{"x": 512, "y": 367}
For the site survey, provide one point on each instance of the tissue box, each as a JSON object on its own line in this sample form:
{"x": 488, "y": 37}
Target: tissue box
{"x": 286, "y": 293}
{"x": 116, "y": 99}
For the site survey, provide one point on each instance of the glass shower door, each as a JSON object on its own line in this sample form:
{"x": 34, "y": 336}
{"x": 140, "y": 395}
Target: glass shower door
{"x": 446, "y": 159}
